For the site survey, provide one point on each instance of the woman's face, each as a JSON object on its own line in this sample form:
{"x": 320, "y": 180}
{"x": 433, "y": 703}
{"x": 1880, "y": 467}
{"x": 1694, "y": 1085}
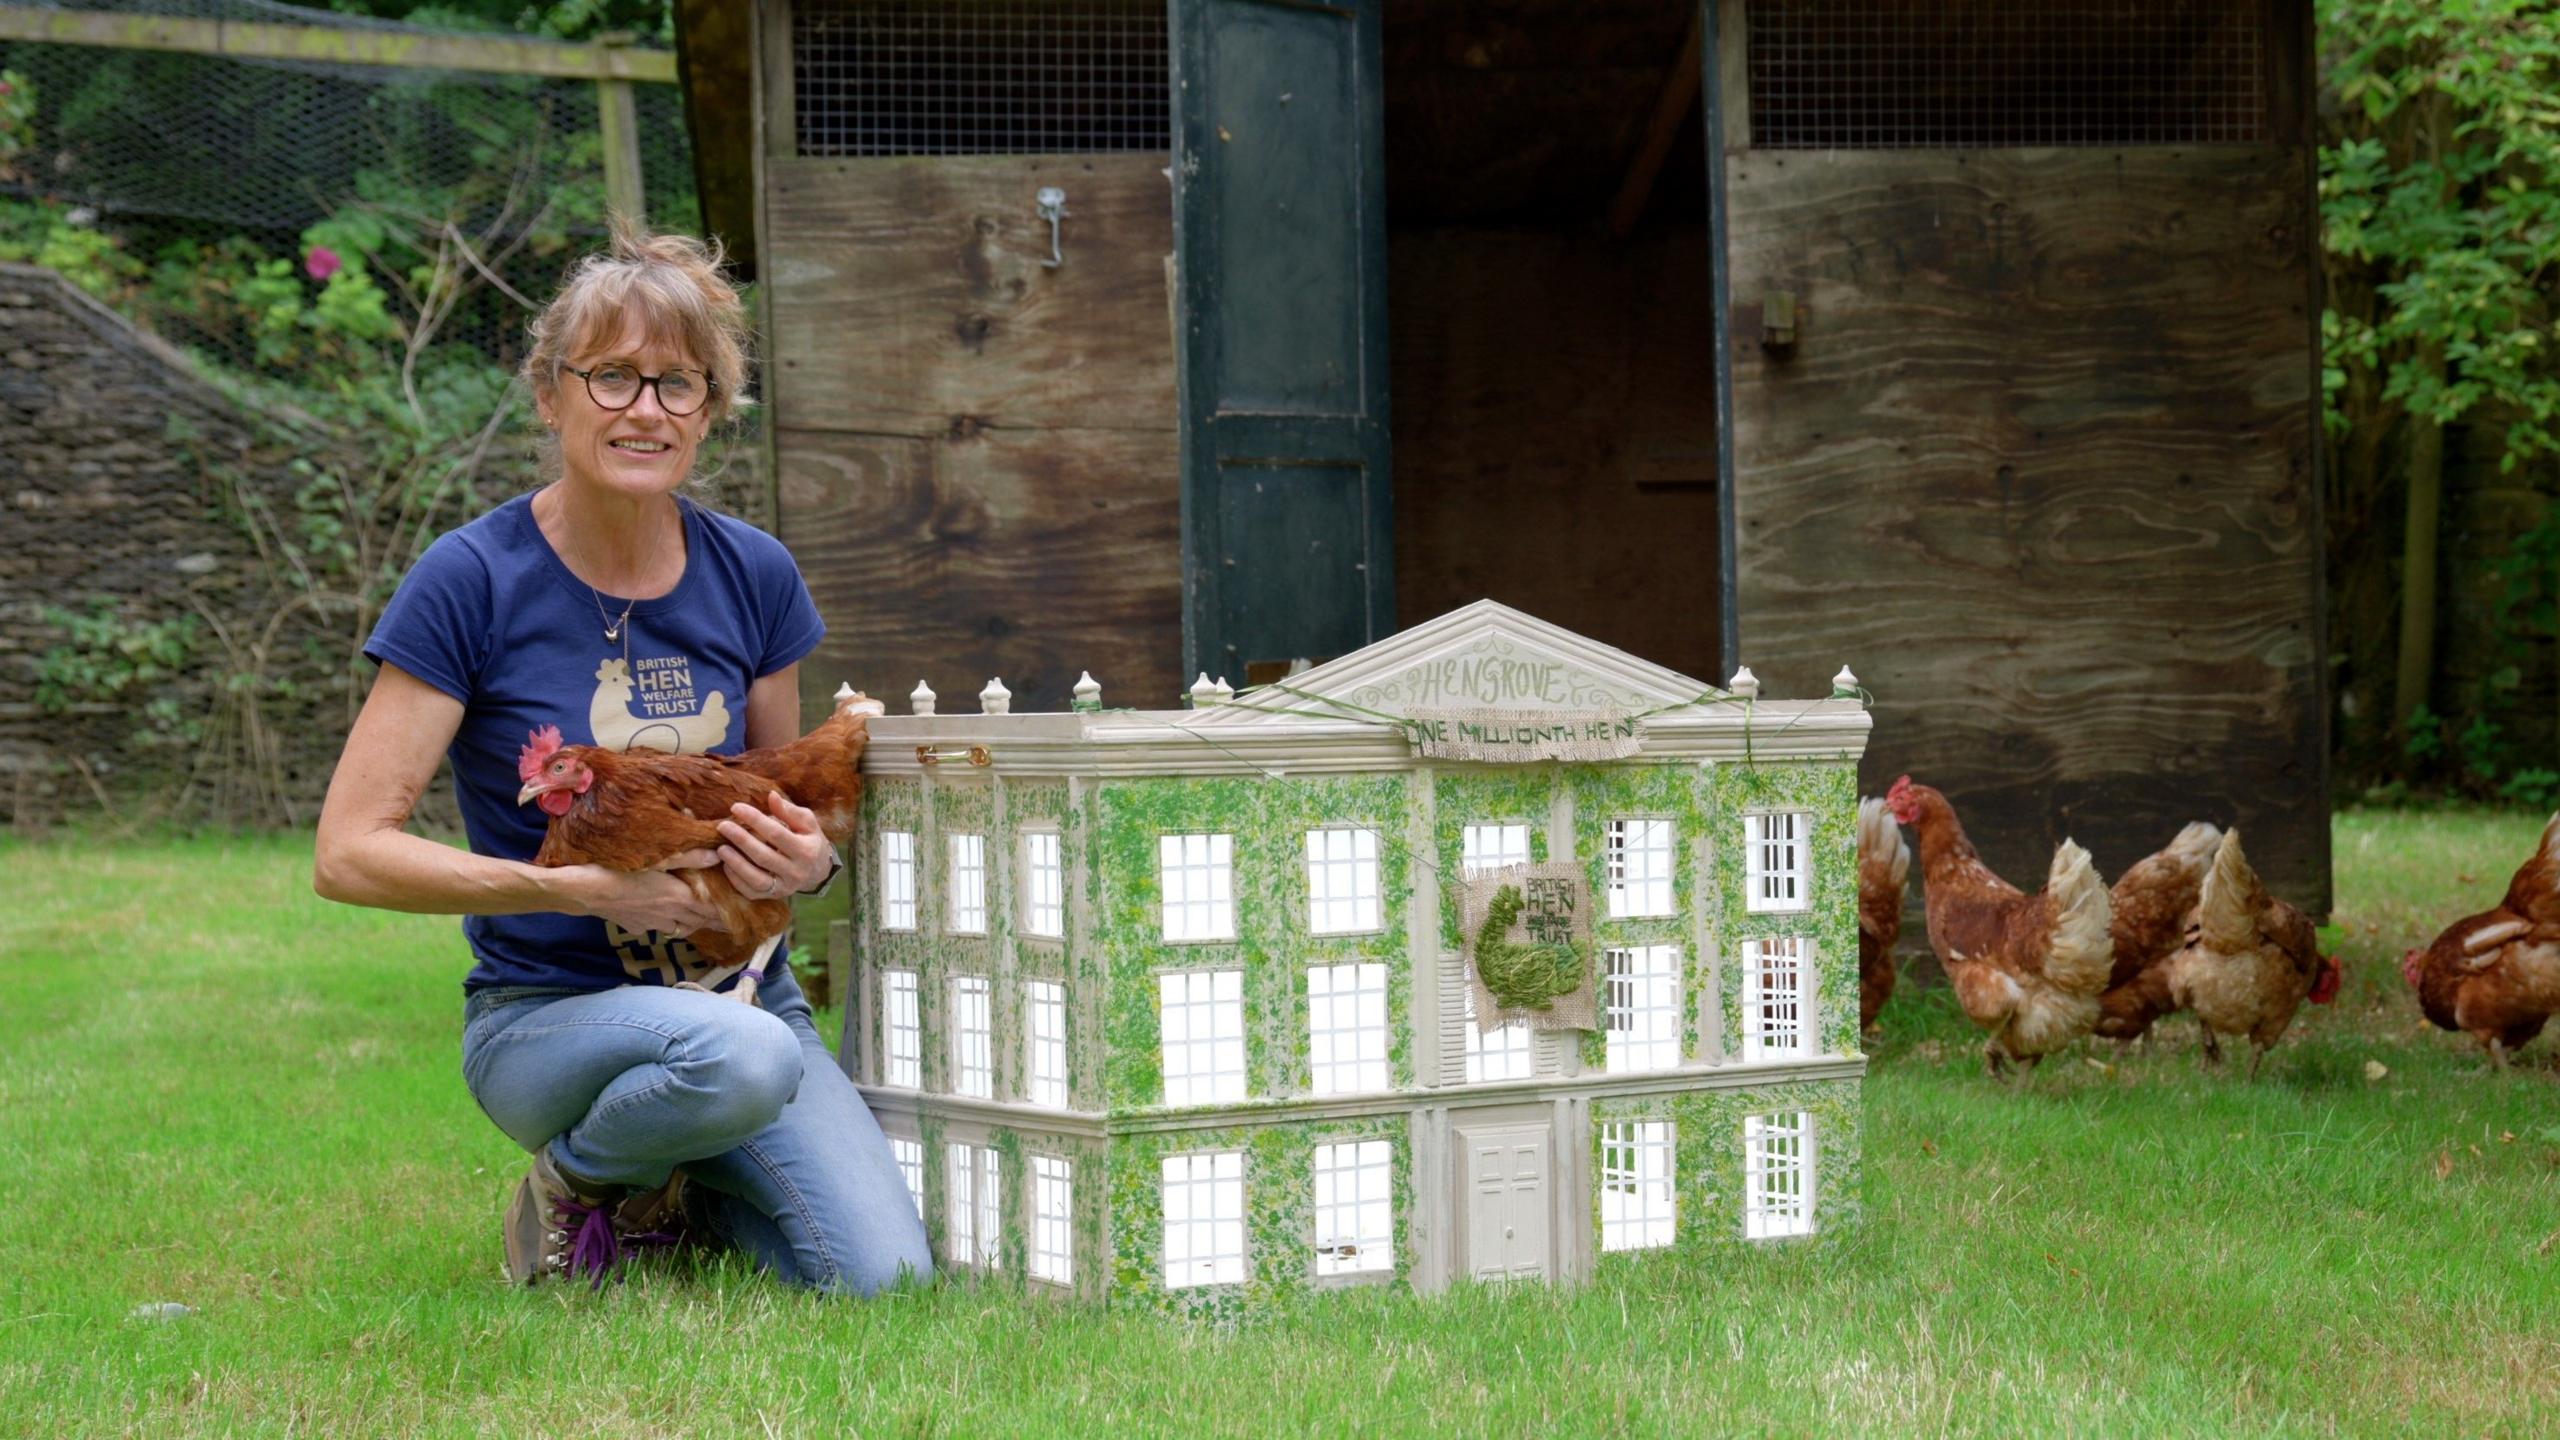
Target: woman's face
{"x": 637, "y": 451}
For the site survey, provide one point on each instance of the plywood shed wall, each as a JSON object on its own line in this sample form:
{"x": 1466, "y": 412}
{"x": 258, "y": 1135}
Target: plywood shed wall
{"x": 2039, "y": 463}
{"x": 977, "y": 450}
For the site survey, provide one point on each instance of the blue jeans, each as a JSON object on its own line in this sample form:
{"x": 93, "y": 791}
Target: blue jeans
{"x": 783, "y": 1158}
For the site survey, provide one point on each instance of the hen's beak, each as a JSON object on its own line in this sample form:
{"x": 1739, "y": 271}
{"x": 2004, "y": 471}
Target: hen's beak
{"x": 530, "y": 791}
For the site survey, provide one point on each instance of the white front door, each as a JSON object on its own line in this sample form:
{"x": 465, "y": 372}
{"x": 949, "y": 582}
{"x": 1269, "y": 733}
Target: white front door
{"x": 1506, "y": 1184}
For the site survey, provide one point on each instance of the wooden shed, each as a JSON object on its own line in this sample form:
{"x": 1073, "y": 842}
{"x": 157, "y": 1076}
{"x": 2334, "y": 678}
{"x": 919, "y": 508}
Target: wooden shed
{"x": 1973, "y": 342}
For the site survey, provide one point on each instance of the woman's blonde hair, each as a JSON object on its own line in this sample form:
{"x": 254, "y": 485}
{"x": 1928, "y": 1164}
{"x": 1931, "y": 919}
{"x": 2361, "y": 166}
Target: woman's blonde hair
{"x": 671, "y": 286}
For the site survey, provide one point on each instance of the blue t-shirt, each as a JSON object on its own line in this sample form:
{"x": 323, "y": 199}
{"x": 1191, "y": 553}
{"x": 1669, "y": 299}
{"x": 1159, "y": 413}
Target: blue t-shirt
{"x": 491, "y": 617}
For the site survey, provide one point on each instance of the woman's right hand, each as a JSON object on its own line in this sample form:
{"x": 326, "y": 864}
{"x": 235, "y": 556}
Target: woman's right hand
{"x": 639, "y": 900}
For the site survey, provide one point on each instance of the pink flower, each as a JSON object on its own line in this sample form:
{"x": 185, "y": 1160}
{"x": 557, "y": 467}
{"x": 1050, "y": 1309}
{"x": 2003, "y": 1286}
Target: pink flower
{"x": 321, "y": 263}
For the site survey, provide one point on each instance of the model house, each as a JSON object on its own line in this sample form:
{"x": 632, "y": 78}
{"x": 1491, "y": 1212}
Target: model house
{"x": 1175, "y": 1007}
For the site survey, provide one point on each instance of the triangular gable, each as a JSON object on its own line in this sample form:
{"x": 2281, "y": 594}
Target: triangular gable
{"x": 1485, "y": 656}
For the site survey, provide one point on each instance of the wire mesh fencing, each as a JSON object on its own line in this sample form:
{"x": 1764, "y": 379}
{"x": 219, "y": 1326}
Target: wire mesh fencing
{"x": 205, "y": 159}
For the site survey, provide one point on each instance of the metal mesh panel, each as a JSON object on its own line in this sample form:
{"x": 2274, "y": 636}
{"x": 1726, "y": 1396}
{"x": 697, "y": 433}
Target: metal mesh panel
{"x": 980, "y": 77}
{"x": 1889, "y": 74}
{"x": 168, "y": 146}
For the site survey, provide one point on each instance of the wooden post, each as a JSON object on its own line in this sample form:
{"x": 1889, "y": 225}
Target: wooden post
{"x": 2418, "y": 570}
{"x": 619, "y": 120}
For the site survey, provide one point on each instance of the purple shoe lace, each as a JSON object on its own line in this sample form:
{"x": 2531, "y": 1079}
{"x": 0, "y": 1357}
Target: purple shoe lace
{"x": 593, "y": 1248}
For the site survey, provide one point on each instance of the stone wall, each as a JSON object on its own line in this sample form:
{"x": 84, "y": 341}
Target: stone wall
{"x": 106, "y": 436}
{"x": 122, "y": 473}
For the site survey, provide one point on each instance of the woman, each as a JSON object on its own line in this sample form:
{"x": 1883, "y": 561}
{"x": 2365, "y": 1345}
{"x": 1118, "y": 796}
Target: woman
{"x": 607, "y": 605}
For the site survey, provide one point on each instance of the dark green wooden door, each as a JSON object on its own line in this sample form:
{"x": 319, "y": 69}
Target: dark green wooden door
{"x": 1280, "y": 243}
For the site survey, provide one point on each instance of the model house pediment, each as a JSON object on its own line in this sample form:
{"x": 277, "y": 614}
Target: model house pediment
{"x": 1487, "y": 656}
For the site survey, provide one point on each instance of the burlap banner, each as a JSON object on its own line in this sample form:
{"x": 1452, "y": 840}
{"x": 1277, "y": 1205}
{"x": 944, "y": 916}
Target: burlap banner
{"x": 1519, "y": 736}
{"x": 1528, "y": 944}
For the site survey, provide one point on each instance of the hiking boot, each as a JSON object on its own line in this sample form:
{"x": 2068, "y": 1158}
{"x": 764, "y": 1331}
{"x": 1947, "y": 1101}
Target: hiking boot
{"x": 654, "y": 1219}
{"x": 556, "y": 1229}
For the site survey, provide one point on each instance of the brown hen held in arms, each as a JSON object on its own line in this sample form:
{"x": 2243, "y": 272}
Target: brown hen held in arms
{"x": 635, "y": 810}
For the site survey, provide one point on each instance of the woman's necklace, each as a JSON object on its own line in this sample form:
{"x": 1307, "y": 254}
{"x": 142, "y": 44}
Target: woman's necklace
{"x": 613, "y": 627}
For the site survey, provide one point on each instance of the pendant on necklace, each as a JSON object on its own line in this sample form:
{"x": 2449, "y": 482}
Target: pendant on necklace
{"x": 613, "y": 632}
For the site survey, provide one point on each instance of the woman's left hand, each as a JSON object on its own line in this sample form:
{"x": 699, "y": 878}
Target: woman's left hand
{"x": 775, "y": 852}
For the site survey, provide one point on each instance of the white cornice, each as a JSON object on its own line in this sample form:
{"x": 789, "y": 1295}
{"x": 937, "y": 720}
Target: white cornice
{"x": 1688, "y": 1079}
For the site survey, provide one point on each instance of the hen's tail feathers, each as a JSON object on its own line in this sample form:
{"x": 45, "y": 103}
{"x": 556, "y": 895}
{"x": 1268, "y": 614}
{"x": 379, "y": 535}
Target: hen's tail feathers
{"x": 1880, "y": 843}
{"x": 2194, "y": 847}
{"x": 2082, "y": 954}
{"x": 2228, "y": 908}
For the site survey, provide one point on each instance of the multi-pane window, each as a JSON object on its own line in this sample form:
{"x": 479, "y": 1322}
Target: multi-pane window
{"x": 1044, "y": 885}
{"x": 1204, "y": 1219}
{"x": 1639, "y": 854}
{"x": 1775, "y": 876}
{"x": 968, "y": 884}
{"x": 1052, "y": 1203}
{"x": 1342, "y": 882}
{"x": 975, "y": 1214}
{"x": 1347, "y": 1028}
{"x": 1643, "y": 1007}
{"x": 1199, "y": 878}
{"x": 1504, "y": 1054}
{"x": 973, "y": 1068}
{"x": 1355, "y": 1218}
{"x": 905, "y": 1060}
{"x": 1775, "y": 990}
{"x": 897, "y": 880}
{"x": 1777, "y": 1175}
{"x": 910, "y": 1157}
{"x": 1637, "y": 1211}
{"x": 1045, "y": 1042}
{"x": 1491, "y": 847}
{"x": 1202, "y": 1020}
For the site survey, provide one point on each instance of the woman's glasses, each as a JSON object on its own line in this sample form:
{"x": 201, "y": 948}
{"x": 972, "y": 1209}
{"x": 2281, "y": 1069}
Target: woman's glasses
{"x": 617, "y": 387}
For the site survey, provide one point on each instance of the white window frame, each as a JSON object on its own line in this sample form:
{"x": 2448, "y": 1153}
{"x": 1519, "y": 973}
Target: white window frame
{"x": 1639, "y": 1208}
{"x": 968, "y": 852}
{"x": 1342, "y": 882}
{"x": 1777, "y": 999}
{"x": 1044, "y": 884}
{"x": 1778, "y": 1154}
{"x": 1355, "y": 1208}
{"x": 910, "y": 1157}
{"x": 1044, "y": 1042}
{"x": 902, "y": 1024}
{"x": 1640, "y": 853}
{"x": 1641, "y": 1007}
{"x": 1053, "y": 1181}
{"x": 1492, "y": 846}
{"x": 1347, "y": 1028}
{"x": 1505, "y": 1054}
{"x": 973, "y": 1055}
{"x": 898, "y": 880}
{"x": 1197, "y": 875}
{"x": 974, "y": 1212}
{"x": 1777, "y": 849}
{"x": 1200, "y": 1020}
{"x": 1204, "y": 1219}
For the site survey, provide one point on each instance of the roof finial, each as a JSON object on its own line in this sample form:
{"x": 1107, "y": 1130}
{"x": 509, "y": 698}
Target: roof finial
{"x": 995, "y": 699}
{"x": 1844, "y": 686}
{"x": 1744, "y": 684}
{"x": 1204, "y": 691}
{"x": 920, "y": 699}
{"x": 1088, "y": 692}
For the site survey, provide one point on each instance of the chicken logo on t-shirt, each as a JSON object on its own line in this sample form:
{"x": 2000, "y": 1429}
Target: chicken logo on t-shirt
{"x": 664, "y": 715}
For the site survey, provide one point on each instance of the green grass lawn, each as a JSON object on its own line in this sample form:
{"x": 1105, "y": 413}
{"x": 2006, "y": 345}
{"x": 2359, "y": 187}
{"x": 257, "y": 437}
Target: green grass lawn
{"x": 218, "y": 1090}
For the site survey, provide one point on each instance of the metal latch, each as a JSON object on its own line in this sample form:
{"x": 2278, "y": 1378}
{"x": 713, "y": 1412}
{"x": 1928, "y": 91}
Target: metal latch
{"x": 1778, "y": 320}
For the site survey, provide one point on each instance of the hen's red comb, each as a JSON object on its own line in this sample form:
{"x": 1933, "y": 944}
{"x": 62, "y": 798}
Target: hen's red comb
{"x": 1900, "y": 786}
{"x": 539, "y": 746}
